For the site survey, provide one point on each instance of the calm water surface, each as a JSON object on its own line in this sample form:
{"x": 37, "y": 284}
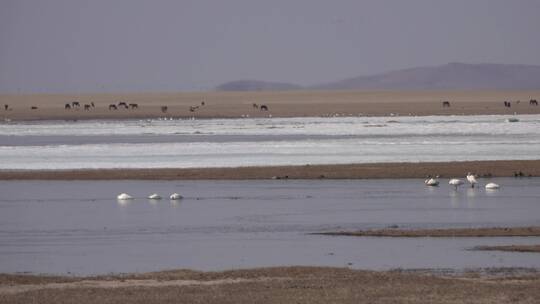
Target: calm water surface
{"x": 79, "y": 227}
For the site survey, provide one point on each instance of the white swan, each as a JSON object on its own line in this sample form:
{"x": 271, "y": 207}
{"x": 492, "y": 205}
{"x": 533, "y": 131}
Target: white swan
{"x": 472, "y": 179}
{"x": 154, "y": 196}
{"x": 492, "y": 186}
{"x": 455, "y": 182}
{"x": 124, "y": 196}
{"x": 432, "y": 181}
{"x": 175, "y": 196}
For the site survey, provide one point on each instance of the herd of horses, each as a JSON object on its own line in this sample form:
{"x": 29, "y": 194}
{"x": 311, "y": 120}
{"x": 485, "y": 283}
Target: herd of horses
{"x": 507, "y": 104}
{"x": 75, "y": 105}
{"x": 123, "y": 105}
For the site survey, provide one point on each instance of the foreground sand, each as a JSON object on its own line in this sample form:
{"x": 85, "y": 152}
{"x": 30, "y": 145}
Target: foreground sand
{"x": 452, "y": 232}
{"x": 350, "y": 171}
{"x": 280, "y": 104}
{"x": 273, "y": 285}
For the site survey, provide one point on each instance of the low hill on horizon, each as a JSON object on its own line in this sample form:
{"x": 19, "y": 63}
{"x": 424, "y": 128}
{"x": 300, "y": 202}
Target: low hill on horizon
{"x": 256, "y": 85}
{"x": 451, "y": 76}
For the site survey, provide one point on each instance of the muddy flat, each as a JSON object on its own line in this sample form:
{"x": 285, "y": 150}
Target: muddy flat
{"x": 500, "y": 168}
{"x": 272, "y": 285}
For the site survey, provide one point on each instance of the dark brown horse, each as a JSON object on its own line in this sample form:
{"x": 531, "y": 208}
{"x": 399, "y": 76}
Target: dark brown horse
{"x": 446, "y": 104}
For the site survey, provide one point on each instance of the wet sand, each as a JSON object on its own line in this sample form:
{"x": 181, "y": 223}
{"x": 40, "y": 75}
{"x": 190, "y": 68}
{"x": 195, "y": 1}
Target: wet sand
{"x": 280, "y": 104}
{"x": 351, "y": 171}
{"x": 455, "y": 232}
{"x": 272, "y": 285}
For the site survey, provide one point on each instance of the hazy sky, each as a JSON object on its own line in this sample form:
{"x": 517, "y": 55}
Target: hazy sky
{"x": 119, "y": 45}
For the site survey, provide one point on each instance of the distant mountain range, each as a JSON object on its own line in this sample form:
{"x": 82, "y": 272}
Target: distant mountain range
{"x": 452, "y": 76}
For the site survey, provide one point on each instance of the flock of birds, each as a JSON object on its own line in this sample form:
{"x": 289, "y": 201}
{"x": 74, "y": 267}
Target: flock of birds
{"x": 430, "y": 181}
{"x": 456, "y": 182}
{"x": 154, "y": 196}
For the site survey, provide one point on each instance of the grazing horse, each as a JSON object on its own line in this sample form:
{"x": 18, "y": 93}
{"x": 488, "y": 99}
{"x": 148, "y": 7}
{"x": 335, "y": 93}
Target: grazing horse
{"x": 133, "y": 106}
{"x": 67, "y": 106}
{"x": 193, "y": 108}
{"x": 123, "y": 104}
{"x": 113, "y": 107}
{"x": 264, "y": 108}
{"x": 87, "y": 107}
{"x": 256, "y": 106}
{"x": 446, "y": 104}
{"x": 533, "y": 102}
{"x": 75, "y": 104}
{"x": 164, "y": 109}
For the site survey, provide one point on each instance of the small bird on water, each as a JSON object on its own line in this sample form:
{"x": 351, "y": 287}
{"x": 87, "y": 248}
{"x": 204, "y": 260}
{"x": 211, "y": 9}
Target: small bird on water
{"x": 455, "y": 182}
{"x": 124, "y": 196}
{"x": 175, "y": 196}
{"x": 492, "y": 186}
{"x": 472, "y": 179}
{"x": 430, "y": 181}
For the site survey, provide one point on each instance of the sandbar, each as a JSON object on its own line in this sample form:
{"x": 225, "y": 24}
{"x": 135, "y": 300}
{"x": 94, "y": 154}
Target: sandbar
{"x": 451, "y": 232}
{"x": 486, "y": 169}
{"x": 510, "y": 248}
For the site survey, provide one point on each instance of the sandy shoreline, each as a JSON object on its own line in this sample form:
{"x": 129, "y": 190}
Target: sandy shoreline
{"x": 280, "y": 104}
{"x": 501, "y": 168}
{"x": 274, "y": 285}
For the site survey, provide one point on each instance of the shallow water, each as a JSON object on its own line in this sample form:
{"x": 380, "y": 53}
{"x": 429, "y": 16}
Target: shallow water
{"x": 257, "y": 142}
{"x": 79, "y": 227}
